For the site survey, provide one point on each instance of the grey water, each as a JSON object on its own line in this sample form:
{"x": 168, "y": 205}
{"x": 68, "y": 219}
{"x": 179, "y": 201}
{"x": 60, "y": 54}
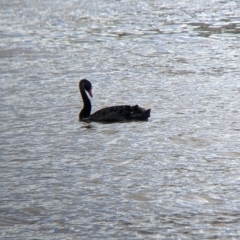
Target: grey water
{"x": 176, "y": 176}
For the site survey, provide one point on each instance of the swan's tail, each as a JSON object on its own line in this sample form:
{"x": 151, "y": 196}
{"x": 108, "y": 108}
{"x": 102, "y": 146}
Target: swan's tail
{"x": 138, "y": 113}
{"x": 147, "y": 113}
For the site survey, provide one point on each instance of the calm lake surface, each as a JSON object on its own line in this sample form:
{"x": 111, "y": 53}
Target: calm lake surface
{"x": 176, "y": 176}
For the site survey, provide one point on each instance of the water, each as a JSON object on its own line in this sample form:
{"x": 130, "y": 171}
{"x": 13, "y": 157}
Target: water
{"x": 173, "y": 177}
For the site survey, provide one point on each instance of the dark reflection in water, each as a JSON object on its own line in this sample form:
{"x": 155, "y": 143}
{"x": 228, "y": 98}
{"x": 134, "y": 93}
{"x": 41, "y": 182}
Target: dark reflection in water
{"x": 175, "y": 176}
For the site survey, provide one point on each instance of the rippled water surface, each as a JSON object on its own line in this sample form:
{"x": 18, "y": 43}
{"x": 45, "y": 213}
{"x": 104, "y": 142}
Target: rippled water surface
{"x": 176, "y": 176}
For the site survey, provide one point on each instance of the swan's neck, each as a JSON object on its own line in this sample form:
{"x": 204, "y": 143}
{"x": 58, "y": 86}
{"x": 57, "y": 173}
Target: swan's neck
{"x": 85, "y": 112}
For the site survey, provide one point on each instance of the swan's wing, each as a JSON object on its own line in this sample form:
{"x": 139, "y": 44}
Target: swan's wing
{"x": 120, "y": 113}
{"x": 112, "y": 114}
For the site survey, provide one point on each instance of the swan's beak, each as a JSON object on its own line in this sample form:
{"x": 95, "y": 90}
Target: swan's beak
{"x": 90, "y": 93}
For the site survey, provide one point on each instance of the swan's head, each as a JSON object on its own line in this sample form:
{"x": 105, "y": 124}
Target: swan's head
{"x": 86, "y": 85}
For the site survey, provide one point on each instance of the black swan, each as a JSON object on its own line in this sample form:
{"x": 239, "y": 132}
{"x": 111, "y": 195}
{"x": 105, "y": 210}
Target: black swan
{"x": 108, "y": 114}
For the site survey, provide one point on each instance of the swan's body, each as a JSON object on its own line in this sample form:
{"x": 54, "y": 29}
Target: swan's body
{"x": 108, "y": 114}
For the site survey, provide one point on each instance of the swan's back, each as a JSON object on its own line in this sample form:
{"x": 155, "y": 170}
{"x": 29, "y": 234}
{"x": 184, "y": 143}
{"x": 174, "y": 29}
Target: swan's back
{"x": 120, "y": 113}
